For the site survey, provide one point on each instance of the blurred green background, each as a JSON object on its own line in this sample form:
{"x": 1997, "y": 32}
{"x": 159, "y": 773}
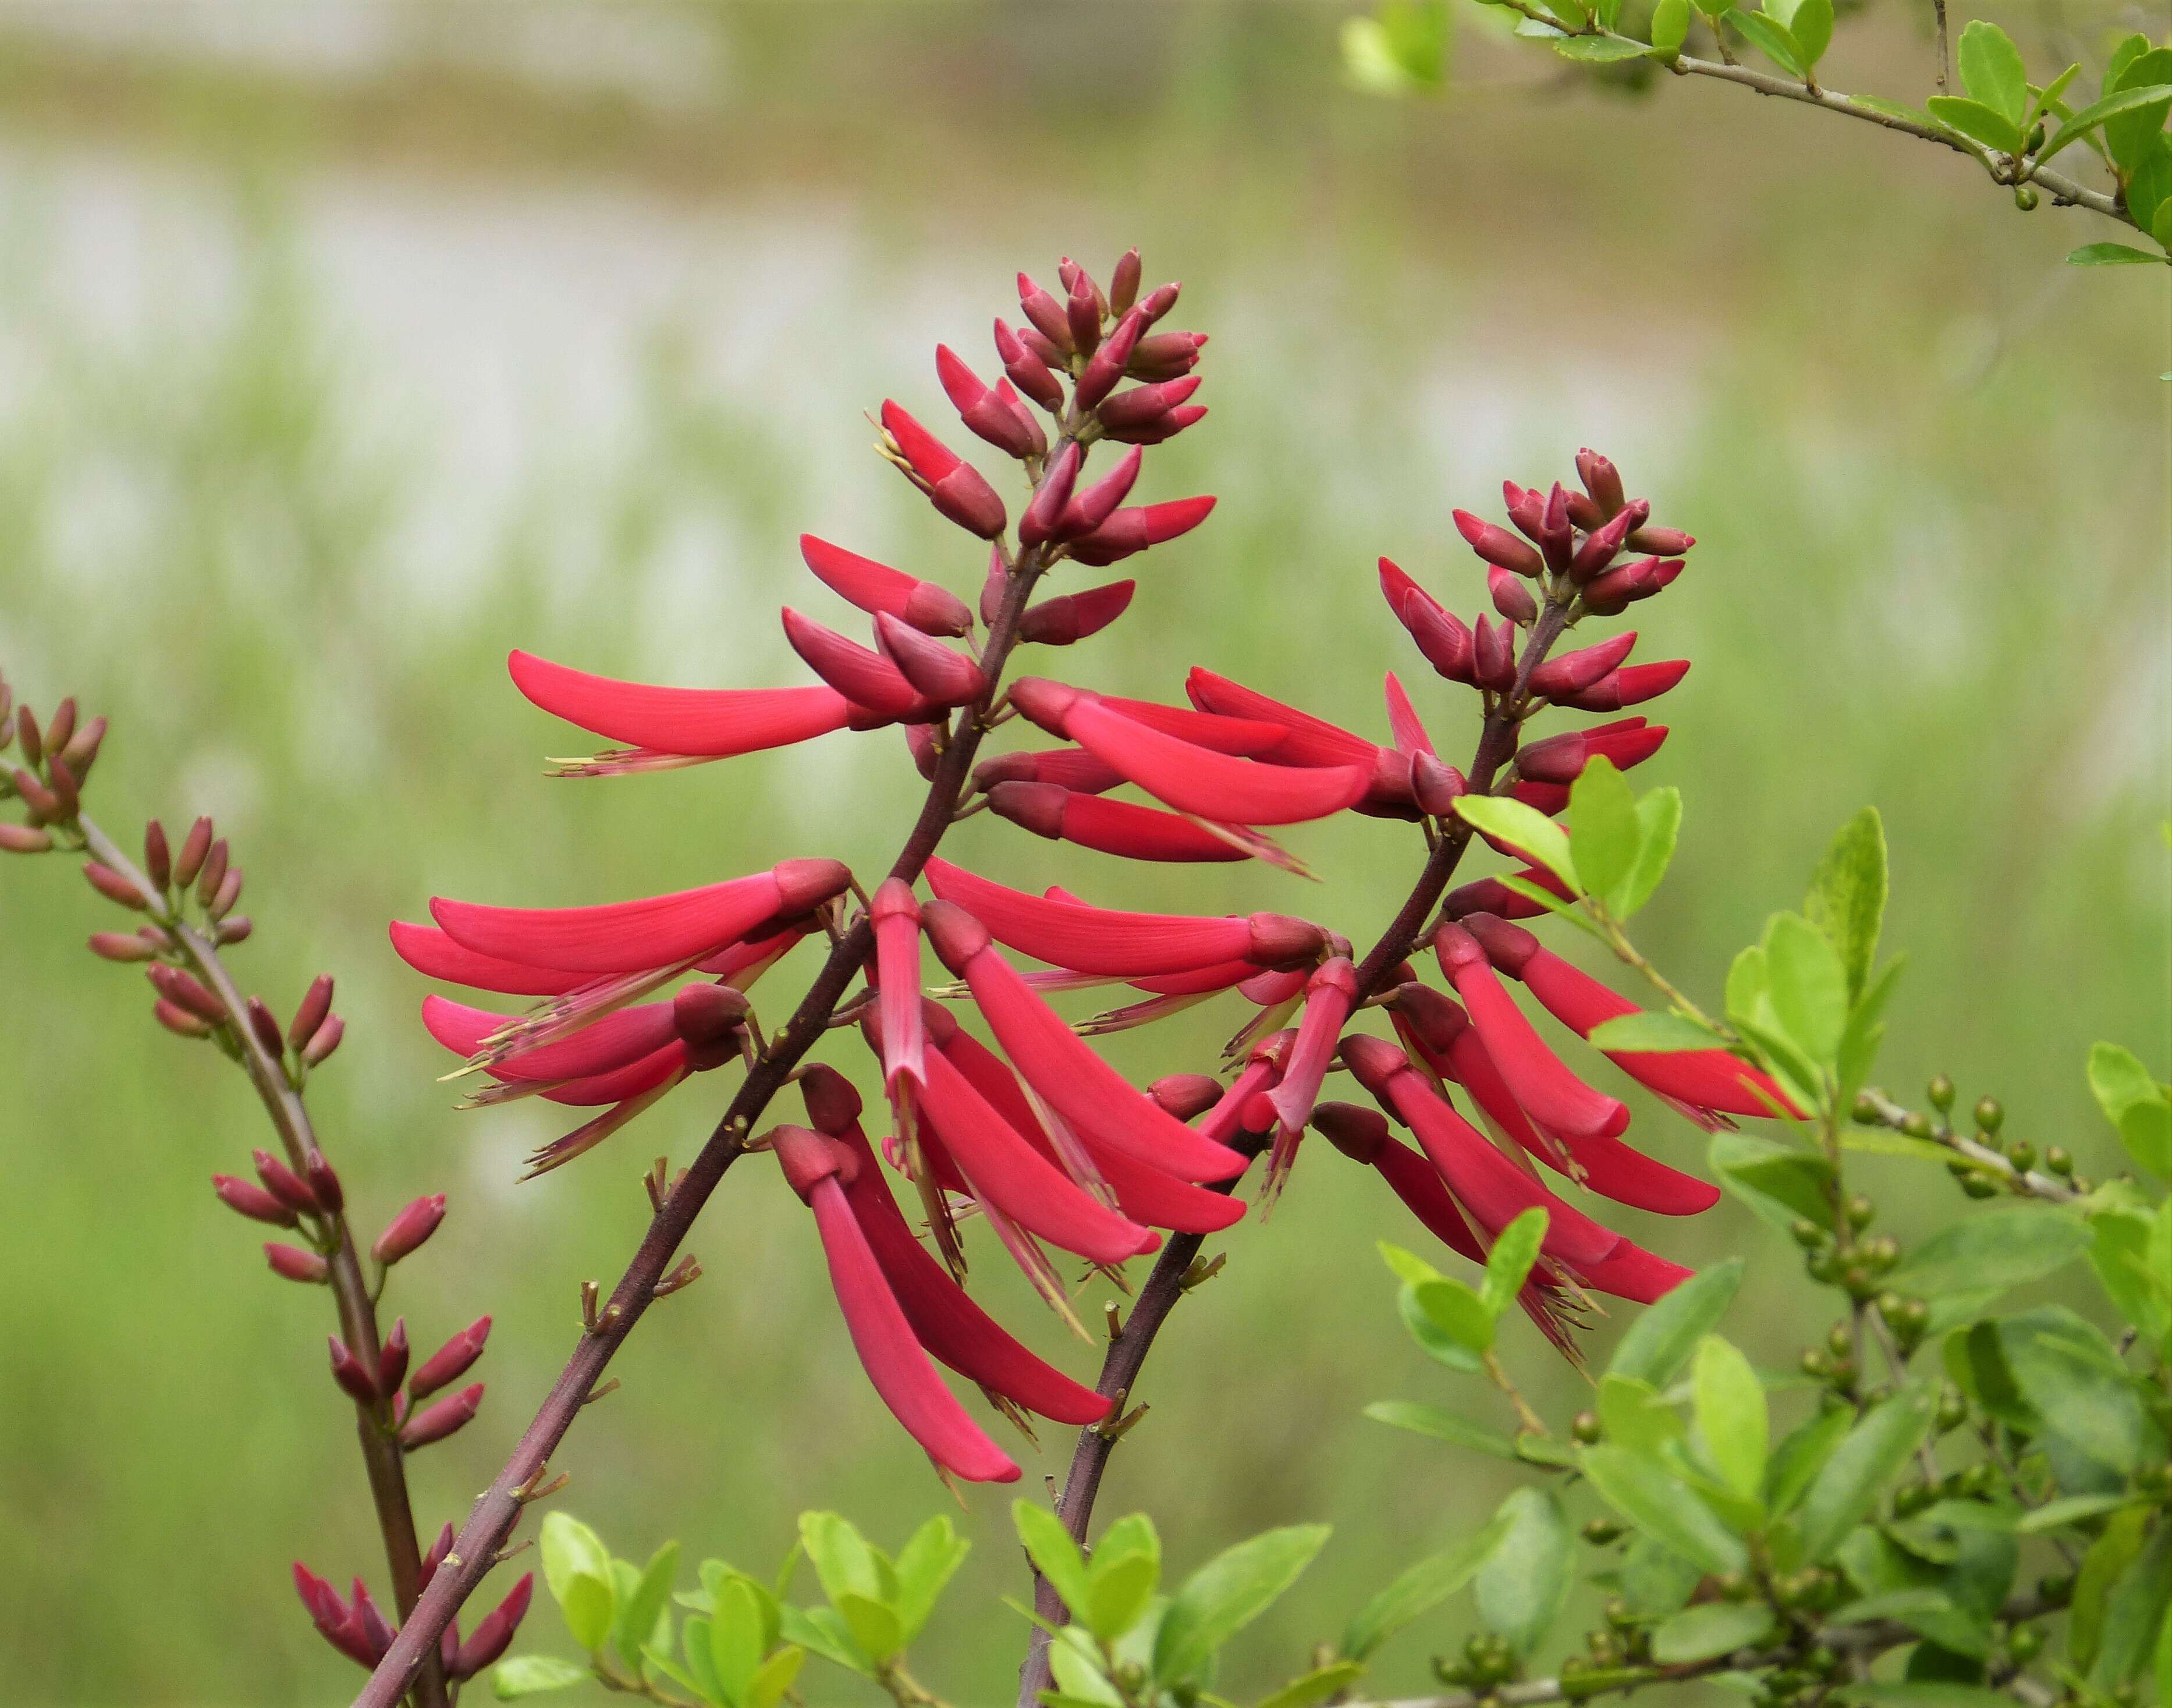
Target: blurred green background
{"x": 345, "y": 346}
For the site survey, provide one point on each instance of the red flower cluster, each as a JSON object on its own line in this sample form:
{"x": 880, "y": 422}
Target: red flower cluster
{"x": 1038, "y": 1135}
{"x": 358, "y": 1629}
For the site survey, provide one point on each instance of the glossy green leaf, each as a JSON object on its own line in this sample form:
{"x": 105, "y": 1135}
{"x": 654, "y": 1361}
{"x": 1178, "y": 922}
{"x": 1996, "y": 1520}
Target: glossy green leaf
{"x": 1634, "y": 1415}
{"x": 2086, "y": 119}
{"x": 736, "y": 1640}
{"x": 773, "y": 1679}
{"x": 1665, "y": 1335}
{"x": 1731, "y": 1416}
{"x": 927, "y": 1562}
{"x": 2110, "y": 255}
{"x": 1846, "y": 899}
{"x": 1802, "y": 1454}
{"x": 1433, "y": 1340}
{"x": 874, "y": 1624}
{"x": 842, "y": 1558}
{"x": 1603, "y": 835}
{"x": 1712, "y": 1629}
{"x": 1656, "y": 1500}
{"x": 1652, "y": 1031}
{"x": 1670, "y": 28}
{"x": 1770, "y": 37}
{"x": 2136, "y": 1105}
{"x": 1316, "y": 1686}
{"x": 1419, "y": 1589}
{"x": 2000, "y": 1247}
{"x": 1441, "y": 1425}
{"x": 1121, "y": 1586}
{"x": 1525, "y": 828}
{"x": 1992, "y": 70}
{"x": 578, "y": 1568}
{"x": 1659, "y": 822}
{"x": 634, "y": 1628}
{"x": 1848, "y": 1487}
{"x": 1987, "y": 124}
{"x": 2130, "y": 135}
{"x": 1597, "y": 50}
{"x": 1228, "y": 1593}
{"x": 1457, "y": 1312}
{"x": 530, "y": 1675}
{"x": 1784, "y": 1184}
{"x": 1527, "y": 1577}
{"x": 1054, "y": 1555}
{"x": 1807, "y": 985}
{"x": 1508, "y": 1265}
{"x": 820, "y": 1631}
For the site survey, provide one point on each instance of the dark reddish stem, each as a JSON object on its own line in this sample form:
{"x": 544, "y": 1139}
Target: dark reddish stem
{"x": 1165, "y": 1285}
{"x": 493, "y": 1518}
{"x": 382, "y": 1457}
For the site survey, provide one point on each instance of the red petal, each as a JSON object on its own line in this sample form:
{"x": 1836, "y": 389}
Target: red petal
{"x": 1048, "y": 704}
{"x": 1092, "y": 939}
{"x": 892, "y": 1358}
{"x": 1123, "y": 828}
{"x": 618, "y": 936}
{"x": 658, "y": 1068}
{"x": 616, "y": 1040}
{"x": 1411, "y": 737}
{"x": 1311, "y": 741}
{"x": 714, "y": 723}
{"x": 431, "y": 952}
{"x": 896, "y": 917}
{"x": 876, "y": 586}
{"x": 1542, "y": 1083}
{"x": 862, "y": 676}
{"x": 1634, "y": 1273}
{"x": 1214, "y": 786}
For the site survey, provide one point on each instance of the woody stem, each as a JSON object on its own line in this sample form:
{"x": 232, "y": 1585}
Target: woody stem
{"x": 496, "y": 1512}
{"x": 381, "y": 1454}
{"x": 1127, "y": 1350}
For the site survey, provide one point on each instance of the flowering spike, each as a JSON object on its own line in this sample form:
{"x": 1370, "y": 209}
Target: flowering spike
{"x": 1553, "y": 1095}
{"x": 627, "y": 936}
{"x": 1112, "y": 827}
{"x": 1196, "y": 780}
{"x": 1631, "y": 686}
{"x": 697, "y": 722}
{"x": 1127, "y": 532}
{"x": 1070, "y": 618}
{"x": 943, "y": 677}
{"x": 876, "y": 588}
{"x": 954, "y": 486}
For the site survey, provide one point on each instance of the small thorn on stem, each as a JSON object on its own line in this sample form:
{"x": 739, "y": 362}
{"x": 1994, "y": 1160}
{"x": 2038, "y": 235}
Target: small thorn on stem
{"x": 658, "y": 1182}
{"x": 535, "y": 1489}
{"x": 590, "y": 1293}
{"x": 685, "y": 1276}
{"x": 1113, "y": 1432}
{"x": 505, "y": 1554}
{"x": 1203, "y": 1269}
{"x": 595, "y": 1394}
{"x": 1115, "y": 1321}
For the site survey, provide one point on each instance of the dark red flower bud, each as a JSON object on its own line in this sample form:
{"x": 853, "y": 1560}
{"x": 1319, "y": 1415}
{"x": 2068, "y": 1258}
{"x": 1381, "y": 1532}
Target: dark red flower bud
{"x": 62, "y": 727}
{"x": 229, "y": 892}
{"x": 1435, "y": 786}
{"x": 1043, "y": 518}
{"x": 1631, "y": 686}
{"x": 323, "y": 1042}
{"x": 1440, "y": 636}
{"x": 195, "y": 848}
{"x": 1124, "y": 282}
{"x": 1356, "y": 1131}
{"x": 1602, "y": 479}
{"x": 1556, "y": 533}
{"x": 1511, "y": 597}
{"x": 316, "y": 1003}
{"x": 252, "y": 1201}
{"x": 1160, "y": 300}
{"x": 183, "y": 991}
{"x": 392, "y": 1358}
{"x": 416, "y": 1222}
{"x": 1081, "y": 313}
{"x": 1101, "y": 374}
{"x": 1497, "y": 545}
{"x": 1162, "y": 428}
{"x": 23, "y": 839}
{"x": 1184, "y": 1095}
{"x": 44, "y": 805}
{"x": 284, "y": 1183}
{"x": 1069, "y": 618}
{"x": 1603, "y": 542}
{"x": 1071, "y": 768}
{"x": 121, "y": 945}
{"x": 324, "y": 1181}
{"x": 214, "y": 872}
{"x": 1606, "y": 594}
{"x": 941, "y": 676}
{"x": 919, "y": 742}
{"x": 157, "y": 859}
{"x": 1491, "y": 895}
{"x": 81, "y": 753}
{"x": 1048, "y": 315}
{"x": 994, "y": 585}
{"x": 292, "y": 1263}
{"x": 265, "y": 1025}
{"x": 1113, "y": 827}
{"x": 434, "y": 1423}
{"x": 451, "y": 1360}
{"x": 984, "y": 411}
{"x": 1570, "y": 672}
{"x": 1134, "y": 530}
{"x": 27, "y": 735}
{"x": 178, "y": 1021}
{"x": 954, "y": 486}
{"x": 1661, "y": 542}
{"x": 1493, "y": 655}
{"x": 862, "y": 676}
{"x": 1092, "y": 506}
{"x": 494, "y": 1634}
{"x": 1026, "y": 370}
{"x": 1143, "y": 404}
{"x": 64, "y": 787}
{"x": 106, "y": 881}
{"x": 1166, "y": 355}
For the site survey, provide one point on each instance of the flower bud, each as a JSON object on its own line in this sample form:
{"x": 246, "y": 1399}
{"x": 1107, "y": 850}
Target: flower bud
{"x": 82, "y": 751}
{"x": 1124, "y": 283}
{"x": 265, "y": 1025}
{"x": 1359, "y": 1133}
{"x": 1556, "y": 533}
{"x": 434, "y": 1423}
{"x": 324, "y": 1183}
{"x": 178, "y": 1021}
{"x": 1603, "y": 542}
{"x": 1166, "y": 355}
{"x": 1109, "y": 362}
{"x": 451, "y": 1360}
{"x": 184, "y": 992}
{"x": 1602, "y": 479}
{"x": 407, "y": 1231}
{"x": 27, "y": 735}
{"x": 392, "y": 1359}
{"x": 23, "y": 839}
{"x": 292, "y": 1263}
{"x": 833, "y": 1105}
{"x": 61, "y": 727}
{"x": 1184, "y": 1095}
{"x": 1092, "y": 506}
{"x": 1162, "y": 428}
{"x": 157, "y": 860}
{"x": 1440, "y": 636}
{"x": 213, "y": 873}
{"x": 1631, "y": 686}
{"x": 1511, "y": 597}
{"x": 1606, "y": 594}
{"x": 711, "y": 1020}
{"x": 247, "y": 1198}
{"x": 1493, "y": 655}
{"x": 956, "y": 489}
{"x": 120, "y": 946}
{"x": 1497, "y": 545}
{"x": 1003, "y": 424}
{"x": 919, "y": 742}
{"x": 65, "y": 790}
{"x": 1081, "y": 313}
{"x": 284, "y": 1183}
{"x": 1048, "y": 315}
{"x": 1026, "y": 370}
{"x": 808, "y": 1157}
{"x": 1043, "y": 515}
{"x": 1436, "y": 786}
{"x": 1570, "y": 672}
{"x": 195, "y": 848}
{"x": 229, "y": 892}
{"x": 348, "y": 1371}
{"x": 112, "y": 884}
{"x": 44, "y": 804}
{"x": 316, "y": 1003}
{"x": 1143, "y": 404}
{"x": 1069, "y": 618}
{"x": 1661, "y": 542}
{"x": 324, "y": 1041}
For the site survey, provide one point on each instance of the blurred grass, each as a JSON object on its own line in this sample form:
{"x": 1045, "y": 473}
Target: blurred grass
{"x": 320, "y": 394}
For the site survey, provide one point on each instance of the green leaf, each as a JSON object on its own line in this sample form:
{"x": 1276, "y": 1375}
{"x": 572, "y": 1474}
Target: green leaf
{"x": 1508, "y": 1265}
{"x": 2110, "y": 255}
{"x": 1848, "y": 893}
{"x": 578, "y": 1568}
{"x": 1456, "y": 1311}
{"x": 1054, "y": 1555}
{"x": 1434, "y": 1341}
{"x": 1848, "y": 1487}
{"x": 2129, "y": 137}
{"x": 1419, "y": 1589}
{"x": 2002, "y": 1247}
{"x": 2072, "y": 1510}
{"x": 2068, "y": 1375}
{"x": 1634, "y": 1416}
{"x": 1771, "y": 38}
{"x": 1227, "y": 1594}
{"x": 1987, "y": 124}
{"x": 843, "y": 1560}
{"x": 1658, "y": 821}
{"x": 1712, "y": 1629}
{"x": 1731, "y": 1416}
{"x": 530, "y": 1675}
{"x": 1782, "y": 1185}
{"x": 1527, "y": 1577}
{"x": 1802, "y": 1454}
{"x": 2136, "y": 1105}
{"x": 1400, "y": 50}
{"x": 1652, "y": 1031}
{"x": 736, "y": 1640}
{"x": 634, "y": 1627}
{"x": 1665, "y": 1336}
{"x": 1603, "y": 835}
{"x": 1076, "y": 1665}
{"x": 2121, "y": 1256}
{"x": 1661, "y": 1503}
{"x": 1525, "y": 831}
{"x": 2139, "y": 1602}
{"x": 1316, "y": 1686}
{"x": 1992, "y": 70}
{"x": 773, "y": 1679}
{"x": 1926, "y": 1693}
{"x": 2149, "y": 185}
{"x": 1441, "y": 1425}
{"x": 1670, "y": 28}
{"x": 820, "y": 1631}
{"x": 1597, "y": 50}
{"x": 925, "y": 1564}
{"x": 875, "y": 1626}
{"x": 1807, "y": 984}
{"x": 2088, "y": 118}
{"x": 1122, "y": 1584}
{"x": 2102, "y": 1567}
{"x": 1811, "y": 24}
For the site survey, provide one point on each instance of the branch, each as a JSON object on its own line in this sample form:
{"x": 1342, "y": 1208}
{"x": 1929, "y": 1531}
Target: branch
{"x": 1127, "y": 1352}
{"x": 381, "y": 1453}
{"x": 497, "y": 1510}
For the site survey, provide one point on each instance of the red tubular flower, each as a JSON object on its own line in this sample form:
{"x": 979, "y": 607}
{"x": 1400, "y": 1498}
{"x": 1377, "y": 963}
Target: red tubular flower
{"x": 433, "y": 1423}
{"x": 1070, "y": 618}
{"x": 1080, "y": 1087}
{"x": 434, "y": 955}
{"x": 1043, "y": 518}
{"x": 1089, "y": 506}
{"x": 889, "y": 1353}
{"x": 1631, "y": 686}
{"x": 1184, "y": 1095}
{"x": 1603, "y": 542}
{"x": 1310, "y": 742}
{"x": 1166, "y": 355}
{"x": 1554, "y": 1097}
{"x": 252, "y": 1201}
{"x": 1403, "y": 720}
{"x": 624, "y": 937}
{"x": 1027, "y": 371}
{"x": 1491, "y": 895}
{"x": 1130, "y": 531}
{"x": 1561, "y": 759}
{"x": 1003, "y": 424}
{"x": 1493, "y": 654}
{"x": 1113, "y": 827}
{"x": 1497, "y": 545}
{"x": 605, "y": 1046}
{"x": 1262, "y": 1067}
{"x": 953, "y": 486}
{"x": 666, "y": 726}
{"x": 1572, "y": 673}
{"x": 862, "y": 676}
{"x": 1510, "y": 597}
{"x": 492, "y": 1638}
{"x": 1619, "y": 589}
{"x": 1143, "y": 404}
{"x": 1634, "y": 1274}
{"x": 1099, "y": 378}
{"x": 1122, "y": 945}
{"x": 1446, "y": 644}
{"x": 896, "y": 918}
{"x": 1049, "y": 705}
{"x": 1493, "y": 1189}
{"x": 943, "y": 677}
{"x": 1214, "y": 786}
{"x": 450, "y": 1361}
{"x": 876, "y": 588}
{"x": 1071, "y": 768}
{"x": 1329, "y": 995}
{"x": 1706, "y": 1079}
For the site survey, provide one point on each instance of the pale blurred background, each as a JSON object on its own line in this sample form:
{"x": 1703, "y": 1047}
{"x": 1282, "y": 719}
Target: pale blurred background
{"x": 346, "y": 346}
